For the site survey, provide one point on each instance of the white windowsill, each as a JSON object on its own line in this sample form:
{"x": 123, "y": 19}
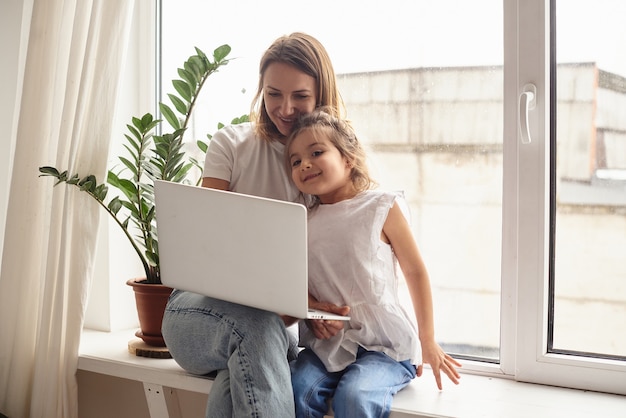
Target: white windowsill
{"x": 476, "y": 396}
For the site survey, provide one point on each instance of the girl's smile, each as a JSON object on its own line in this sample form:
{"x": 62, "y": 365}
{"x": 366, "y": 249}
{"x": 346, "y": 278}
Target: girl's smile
{"x": 309, "y": 177}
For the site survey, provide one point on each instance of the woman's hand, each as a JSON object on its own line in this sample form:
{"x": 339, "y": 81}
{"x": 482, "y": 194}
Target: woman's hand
{"x": 439, "y": 362}
{"x": 326, "y": 328}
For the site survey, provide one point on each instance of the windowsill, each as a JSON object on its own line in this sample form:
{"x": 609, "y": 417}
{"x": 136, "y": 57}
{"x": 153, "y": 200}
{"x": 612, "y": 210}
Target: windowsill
{"x": 107, "y": 353}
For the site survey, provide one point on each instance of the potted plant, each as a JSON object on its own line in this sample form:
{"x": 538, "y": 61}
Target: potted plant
{"x": 151, "y": 156}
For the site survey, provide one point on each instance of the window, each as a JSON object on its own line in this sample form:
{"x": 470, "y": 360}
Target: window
{"x": 590, "y": 181}
{"x": 523, "y": 239}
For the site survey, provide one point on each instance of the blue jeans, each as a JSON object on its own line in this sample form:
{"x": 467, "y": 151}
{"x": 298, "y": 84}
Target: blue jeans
{"x": 363, "y": 389}
{"x": 247, "y": 347}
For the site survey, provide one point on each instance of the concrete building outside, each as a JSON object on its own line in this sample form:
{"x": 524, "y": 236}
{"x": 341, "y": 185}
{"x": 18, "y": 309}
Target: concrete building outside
{"x": 437, "y": 133}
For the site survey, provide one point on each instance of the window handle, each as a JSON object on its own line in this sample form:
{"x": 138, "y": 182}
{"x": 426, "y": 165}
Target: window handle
{"x": 526, "y": 103}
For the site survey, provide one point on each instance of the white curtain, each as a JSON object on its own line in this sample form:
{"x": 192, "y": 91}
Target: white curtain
{"x": 74, "y": 59}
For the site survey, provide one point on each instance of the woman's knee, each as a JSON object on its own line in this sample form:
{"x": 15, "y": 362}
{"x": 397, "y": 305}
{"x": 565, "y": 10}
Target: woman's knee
{"x": 263, "y": 331}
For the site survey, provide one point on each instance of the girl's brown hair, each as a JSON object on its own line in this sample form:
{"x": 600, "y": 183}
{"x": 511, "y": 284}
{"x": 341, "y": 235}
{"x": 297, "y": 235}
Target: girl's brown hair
{"x": 306, "y": 54}
{"x": 342, "y": 136}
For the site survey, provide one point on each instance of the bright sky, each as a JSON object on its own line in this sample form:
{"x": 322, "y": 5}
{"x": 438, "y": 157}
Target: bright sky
{"x": 366, "y": 35}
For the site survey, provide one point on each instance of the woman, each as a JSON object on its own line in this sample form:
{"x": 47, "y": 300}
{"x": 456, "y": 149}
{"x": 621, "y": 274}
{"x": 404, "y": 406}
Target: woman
{"x": 247, "y": 347}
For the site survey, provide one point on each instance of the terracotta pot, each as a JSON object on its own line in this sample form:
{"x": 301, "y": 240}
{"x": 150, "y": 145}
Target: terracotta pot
{"x": 151, "y": 300}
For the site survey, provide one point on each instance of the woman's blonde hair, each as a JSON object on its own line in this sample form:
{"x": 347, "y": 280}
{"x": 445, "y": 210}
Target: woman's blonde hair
{"x": 341, "y": 134}
{"x": 306, "y": 54}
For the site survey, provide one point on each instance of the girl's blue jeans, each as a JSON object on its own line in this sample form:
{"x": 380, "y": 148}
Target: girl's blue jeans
{"x": 247, "y": 347}
{"x": 363, "y": 389}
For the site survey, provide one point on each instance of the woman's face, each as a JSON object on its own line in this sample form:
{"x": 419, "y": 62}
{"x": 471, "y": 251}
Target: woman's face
{"x": 287, "y": 92}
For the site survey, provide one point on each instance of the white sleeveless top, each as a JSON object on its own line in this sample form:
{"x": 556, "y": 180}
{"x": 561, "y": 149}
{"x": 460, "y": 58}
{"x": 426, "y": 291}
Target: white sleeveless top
{"x": 350, "y": 265}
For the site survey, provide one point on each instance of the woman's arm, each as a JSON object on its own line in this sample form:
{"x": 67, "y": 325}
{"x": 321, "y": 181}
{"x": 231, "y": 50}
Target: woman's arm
{"x": 215, "y": 183}
{"x": 397, "y": 232}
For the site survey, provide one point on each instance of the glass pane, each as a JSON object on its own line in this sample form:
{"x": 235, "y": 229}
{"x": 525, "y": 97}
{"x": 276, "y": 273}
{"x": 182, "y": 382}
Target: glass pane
{"x": 590, "y": 241}
{"x": 422, "y": 81}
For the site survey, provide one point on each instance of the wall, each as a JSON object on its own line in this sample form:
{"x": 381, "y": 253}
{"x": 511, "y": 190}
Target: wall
{"x": 128, "y": 396}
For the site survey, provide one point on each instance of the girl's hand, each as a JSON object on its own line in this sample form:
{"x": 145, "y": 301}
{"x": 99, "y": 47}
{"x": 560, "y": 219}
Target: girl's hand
{"x": 325, "y": 328}
{"x": 439, "y": 362}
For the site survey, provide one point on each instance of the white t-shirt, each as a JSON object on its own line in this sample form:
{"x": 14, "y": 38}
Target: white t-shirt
{"x": 250, "y": 164}
{"x": 350, "y": 265}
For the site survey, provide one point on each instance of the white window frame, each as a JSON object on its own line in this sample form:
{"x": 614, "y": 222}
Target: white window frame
{"x": 526, "y": 217}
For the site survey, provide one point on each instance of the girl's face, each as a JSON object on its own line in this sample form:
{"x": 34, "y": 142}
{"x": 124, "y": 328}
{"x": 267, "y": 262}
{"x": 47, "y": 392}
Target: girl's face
{"x": 318, "y": 168}
{"x": 287, "y": 92}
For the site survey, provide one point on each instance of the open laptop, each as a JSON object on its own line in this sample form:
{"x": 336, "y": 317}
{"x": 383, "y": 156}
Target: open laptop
{"x": 239, "y": 248}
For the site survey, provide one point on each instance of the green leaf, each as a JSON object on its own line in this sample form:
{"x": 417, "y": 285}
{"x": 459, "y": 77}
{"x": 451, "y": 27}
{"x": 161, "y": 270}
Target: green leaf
{"x": 147, "y": 121}
{"x": 135, "y": 133}
{"x": 113, "y": 179}
{"x": 180, "y": 173}
{"x": 88, "y": 184}
{"x": 188, "y": 76}
{"x": 200, "y": 53}
{"x": 134, "y": 211}
{"x": 125, "y": 186}
{"x": 178, "y": 104}
{"x": 49, "y": 171}
{"x": 183, "y": 89}
{"x": 150, "y": 215}
{"x": 73, "y": 180}
{"x": 203, "y": 146}
{"x": 240, "y": 119}
{"x": 100, "y": 192}
{"x": 169, "y": 115}
{"x": 221, "y": 52}
{"x": 115, "y": 205}
{"x": 203, "y": 65}
{"x": 137, "y": 122}
{"x": 194, "y": 69}
{"x": 135, "y": 154}
{"x": 132, "y": 167}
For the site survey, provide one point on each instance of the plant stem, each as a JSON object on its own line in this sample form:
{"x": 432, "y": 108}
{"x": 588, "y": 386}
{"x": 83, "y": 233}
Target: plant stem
{"x": 144, "y": 262}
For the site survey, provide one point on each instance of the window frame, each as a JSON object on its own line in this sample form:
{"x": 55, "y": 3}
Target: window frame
{"x": 527, "y": 192}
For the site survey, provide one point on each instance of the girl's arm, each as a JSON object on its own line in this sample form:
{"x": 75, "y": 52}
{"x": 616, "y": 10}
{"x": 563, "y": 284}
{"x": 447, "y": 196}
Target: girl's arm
{"x": 397, "y": 232}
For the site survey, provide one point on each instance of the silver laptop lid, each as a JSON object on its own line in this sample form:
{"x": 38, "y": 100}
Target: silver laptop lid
{"x": 240, "y": 248}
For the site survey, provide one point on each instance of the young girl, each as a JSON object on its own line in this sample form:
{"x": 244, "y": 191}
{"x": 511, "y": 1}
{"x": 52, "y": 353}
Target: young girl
{"x": 356, "y": 237}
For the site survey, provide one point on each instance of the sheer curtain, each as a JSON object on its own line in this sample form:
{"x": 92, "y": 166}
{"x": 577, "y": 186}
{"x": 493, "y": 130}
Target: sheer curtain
{"x": 74, "y": 59}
